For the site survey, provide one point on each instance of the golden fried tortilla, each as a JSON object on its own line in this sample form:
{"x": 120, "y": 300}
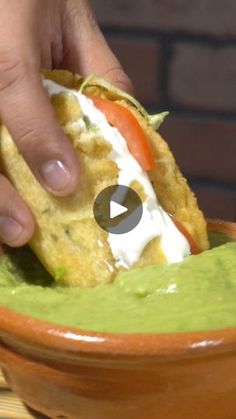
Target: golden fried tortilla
{"x": 67, "y": 240}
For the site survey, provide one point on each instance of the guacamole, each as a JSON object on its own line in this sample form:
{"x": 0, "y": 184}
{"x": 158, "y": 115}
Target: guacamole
{"x": 197, "y": 294}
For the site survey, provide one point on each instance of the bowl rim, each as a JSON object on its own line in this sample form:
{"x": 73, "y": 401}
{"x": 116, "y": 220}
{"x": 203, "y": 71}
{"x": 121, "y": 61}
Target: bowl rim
{"x": 52, "y": 336}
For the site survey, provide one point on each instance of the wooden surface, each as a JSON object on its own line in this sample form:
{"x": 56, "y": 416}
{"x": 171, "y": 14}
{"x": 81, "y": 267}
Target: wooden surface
{"x": 10, "y": 405}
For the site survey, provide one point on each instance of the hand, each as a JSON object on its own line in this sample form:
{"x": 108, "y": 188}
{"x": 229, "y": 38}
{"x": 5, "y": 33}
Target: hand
{"x": 48, "y": 34}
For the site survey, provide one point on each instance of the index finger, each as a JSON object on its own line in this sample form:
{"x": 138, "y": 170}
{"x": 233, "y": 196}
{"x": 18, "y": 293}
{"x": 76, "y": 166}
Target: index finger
{"x": 29, "y": 116}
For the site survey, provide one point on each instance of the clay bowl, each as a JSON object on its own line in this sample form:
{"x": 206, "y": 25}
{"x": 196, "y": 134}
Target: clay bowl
{"x": 71, "y": 373}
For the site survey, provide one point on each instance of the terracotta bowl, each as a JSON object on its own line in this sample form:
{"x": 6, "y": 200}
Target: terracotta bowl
{"x": 70, "y": 373}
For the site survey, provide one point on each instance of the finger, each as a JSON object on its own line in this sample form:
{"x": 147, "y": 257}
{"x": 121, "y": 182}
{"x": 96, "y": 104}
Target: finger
{"x": 27, "y": 112}
{"x": 86, "y": 50}
{"x": 16, "y": 220}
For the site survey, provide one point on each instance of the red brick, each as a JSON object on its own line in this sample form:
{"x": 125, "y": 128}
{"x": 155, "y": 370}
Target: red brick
{"x": 203, "y": 78}
{"x": 209, "y": 17}
{"x": 216, "y": 202}
{"x": 141, "y": 60}
{"x": 203, "y": 148}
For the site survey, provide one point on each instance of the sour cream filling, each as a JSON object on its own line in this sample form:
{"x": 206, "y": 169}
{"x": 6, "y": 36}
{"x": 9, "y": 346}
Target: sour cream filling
{"x": 155, "y": 222}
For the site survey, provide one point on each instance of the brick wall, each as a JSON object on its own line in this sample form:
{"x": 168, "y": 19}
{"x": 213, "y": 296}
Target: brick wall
{"x": 181, "y": 56}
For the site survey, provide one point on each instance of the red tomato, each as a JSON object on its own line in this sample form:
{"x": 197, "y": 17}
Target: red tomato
{"x": 193, "y": 246}
{"x": 121, "y": 118}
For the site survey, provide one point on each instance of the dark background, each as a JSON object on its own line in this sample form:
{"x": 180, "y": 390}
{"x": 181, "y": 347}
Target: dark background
{"x": 181, "y": 56}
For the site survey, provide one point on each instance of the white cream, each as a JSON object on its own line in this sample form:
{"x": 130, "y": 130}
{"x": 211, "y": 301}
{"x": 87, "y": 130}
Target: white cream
{"x": 127, "y": 248}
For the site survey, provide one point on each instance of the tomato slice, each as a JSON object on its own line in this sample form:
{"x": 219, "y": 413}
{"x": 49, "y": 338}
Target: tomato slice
{"x": 193, "y": 245}
{"x": 130, "y": 129}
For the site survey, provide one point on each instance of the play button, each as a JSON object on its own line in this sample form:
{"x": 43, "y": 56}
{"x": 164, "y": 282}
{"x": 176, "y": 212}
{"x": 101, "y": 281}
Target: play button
{"x": 118, "y": 209}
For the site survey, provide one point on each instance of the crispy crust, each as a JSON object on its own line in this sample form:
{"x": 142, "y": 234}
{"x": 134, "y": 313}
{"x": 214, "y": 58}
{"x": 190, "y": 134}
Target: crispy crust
{"x": 67, "y": 239}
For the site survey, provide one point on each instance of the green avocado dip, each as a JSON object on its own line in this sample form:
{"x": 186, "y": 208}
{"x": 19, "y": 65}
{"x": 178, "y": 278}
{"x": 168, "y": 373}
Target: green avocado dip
{"x": 197, "y": 294}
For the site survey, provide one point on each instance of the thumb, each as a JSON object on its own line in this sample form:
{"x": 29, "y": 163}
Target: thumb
{"x": 86, "y": 48}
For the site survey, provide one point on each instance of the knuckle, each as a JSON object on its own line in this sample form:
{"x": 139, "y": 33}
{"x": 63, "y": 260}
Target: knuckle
{"x": 81, "y": 11}
{"x": 25, "y": 138}
{"x": 33, "y": 145}
{"x": 13, "y": 69}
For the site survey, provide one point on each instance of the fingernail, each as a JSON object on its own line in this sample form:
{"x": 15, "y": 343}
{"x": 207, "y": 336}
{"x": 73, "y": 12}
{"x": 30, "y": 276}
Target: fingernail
{"x": 10, "y": 229}
{"x": 55, "y": 175}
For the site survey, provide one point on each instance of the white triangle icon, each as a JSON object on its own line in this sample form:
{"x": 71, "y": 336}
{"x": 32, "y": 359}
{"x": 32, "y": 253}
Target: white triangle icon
{"x": 116, "y": 209}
